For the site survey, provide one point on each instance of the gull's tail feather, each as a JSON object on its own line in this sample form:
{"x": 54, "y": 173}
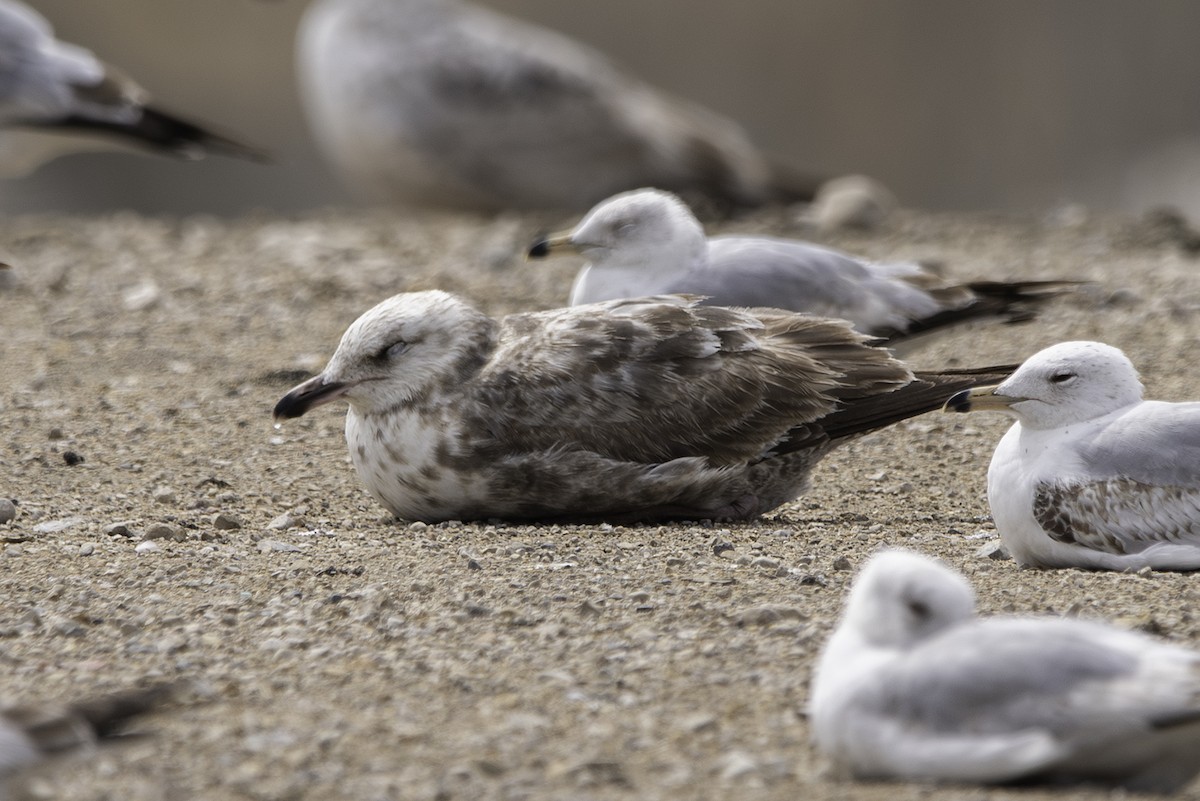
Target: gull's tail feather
{"x": 54, "y": 728}
{"x": 166, "y": 133}
{"x": 1013, "y": 301}
{"x": 926, "y": 393}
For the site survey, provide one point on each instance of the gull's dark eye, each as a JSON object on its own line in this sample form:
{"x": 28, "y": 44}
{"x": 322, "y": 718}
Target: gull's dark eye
{"x": 919, "y": 609}
{"x": 1061, "y": 378}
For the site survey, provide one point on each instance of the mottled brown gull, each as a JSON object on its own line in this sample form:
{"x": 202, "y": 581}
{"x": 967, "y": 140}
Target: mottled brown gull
{"x": 648, "y": 242}
{"x": 633, "y": 410}
{"x": 444, "y": 103}
{"x": 56, "y": 98}
{"x": 1091, "y": 475}
{"x": 913, "y": 686}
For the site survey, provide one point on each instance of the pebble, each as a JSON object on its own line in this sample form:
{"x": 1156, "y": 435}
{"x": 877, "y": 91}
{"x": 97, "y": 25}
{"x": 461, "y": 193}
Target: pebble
{"x": 122, "y": 529}
{"x": 164, "y": 531}
{"x": 224, "y": 521}
{"x": 87, "y": 549}
{"x": 8, "y": 510}
{"x": 55, "y": 526}
{"x": 737, "y": 764}
{"x": 842, "y": 563}
{"x": 852, "y": 201}
{"x": 276, "y": 545}
{"x": 71, "y": 458}
{"x": 993, "y": 550}
{"x": 284, "y": 521}
{"x": 767, "y": 614}
{"x": 147, "y": 546}
{"x": 145, "y": 296}
{"x": 165, "y": 495}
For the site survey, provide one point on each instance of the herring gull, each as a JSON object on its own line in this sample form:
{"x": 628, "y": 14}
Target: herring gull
{"x": 632, "y": 410}
{"x": 912, "y": 685}
{"x": 648, "y": 242}
{"x": 1091, "y": 475}
{"x": 444, "y": 103}
{"x": 57, "y": 98}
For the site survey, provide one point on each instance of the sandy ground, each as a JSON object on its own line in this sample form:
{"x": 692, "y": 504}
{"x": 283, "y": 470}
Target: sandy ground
{"x": 337, "y": 653}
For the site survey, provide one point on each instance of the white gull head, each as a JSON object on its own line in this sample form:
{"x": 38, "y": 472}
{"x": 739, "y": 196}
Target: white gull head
{"x": 1071, "y": 382}
{"x": 901, "y": 598}
{"x": 402, "y": 349}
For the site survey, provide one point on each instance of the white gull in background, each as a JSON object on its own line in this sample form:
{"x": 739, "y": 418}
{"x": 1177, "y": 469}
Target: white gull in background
{"x": 57, "y": 98}
{"x": 635, "y": 410}
{"x": 444, "y": 103}
{"x": 1091, "y": 475}
{"x": 913, "y": 686}
{"x": 648, "y": 242}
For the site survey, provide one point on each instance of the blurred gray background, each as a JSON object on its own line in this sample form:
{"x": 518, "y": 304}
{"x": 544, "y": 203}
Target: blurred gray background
{"x": 1014, "y": 105}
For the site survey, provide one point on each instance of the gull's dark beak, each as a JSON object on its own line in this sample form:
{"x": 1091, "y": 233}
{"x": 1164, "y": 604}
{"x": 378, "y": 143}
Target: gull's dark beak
{"x": 980, "y": 399}
{"x": 312, "y": 393}
{"x": 554, "y": 243}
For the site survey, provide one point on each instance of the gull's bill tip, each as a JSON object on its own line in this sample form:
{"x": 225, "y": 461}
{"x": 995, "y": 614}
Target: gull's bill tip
{"x": 980, "y": 399}
{"x": 304, "y": 397}
{"x": 551, "y": 244}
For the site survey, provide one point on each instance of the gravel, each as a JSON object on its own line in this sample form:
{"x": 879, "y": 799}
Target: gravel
{"x": 335, "y": 653}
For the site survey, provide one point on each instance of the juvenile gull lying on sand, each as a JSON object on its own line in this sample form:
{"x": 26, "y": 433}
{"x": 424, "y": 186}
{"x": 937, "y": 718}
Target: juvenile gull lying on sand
{"x": 638, "y": 410}
{"x": 57, "y": 98}
{"x": 443, "y": 103}
{"x": 1091, "y": 475}
{"x": 912, "y": 685}
{"x": 30, "y": 734}
{"x": 648, "y": 242}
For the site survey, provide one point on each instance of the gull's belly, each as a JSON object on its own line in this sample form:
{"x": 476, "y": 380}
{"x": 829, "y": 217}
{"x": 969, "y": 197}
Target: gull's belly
{"x": 402, "y": 459}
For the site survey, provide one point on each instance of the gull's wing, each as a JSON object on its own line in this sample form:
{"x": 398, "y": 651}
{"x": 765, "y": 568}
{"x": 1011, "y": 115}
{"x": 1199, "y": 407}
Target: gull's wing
{"x": 653, "y": 379}
{"x": 1006, "y": 699}
{"x": 890, "y": 300}
{"x": 1138, "y": 485}
{"x": 789, "y": 274}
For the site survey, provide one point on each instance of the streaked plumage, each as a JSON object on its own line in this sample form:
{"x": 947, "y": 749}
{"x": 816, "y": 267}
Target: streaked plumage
{"x": 648, "y": 242}
{"x": 1091, "y": 475}
{"x": 443, "y": 103}
{"x": 56, "y": 98}
{"x": 913, "y": 686}
{"x": 643, "y": 409}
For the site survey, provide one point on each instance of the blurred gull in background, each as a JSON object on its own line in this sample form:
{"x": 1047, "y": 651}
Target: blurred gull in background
{"x": 912, "y": 685}
{"x": 441, "y": 103}
{"x": 57, "y": 98}
{"x": 648, "y": 242}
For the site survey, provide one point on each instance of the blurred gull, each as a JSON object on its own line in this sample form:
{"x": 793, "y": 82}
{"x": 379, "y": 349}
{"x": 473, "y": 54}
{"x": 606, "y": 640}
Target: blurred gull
{"x": 1091, "y": 475}
{"x": 443, "y": 103}
{"x": 913, "y": 686}
{"x": 648, "y": 242}
{"x": 31, "y": 734}
{"x": 57, "y": 98}
{"x": 634, "y": 410}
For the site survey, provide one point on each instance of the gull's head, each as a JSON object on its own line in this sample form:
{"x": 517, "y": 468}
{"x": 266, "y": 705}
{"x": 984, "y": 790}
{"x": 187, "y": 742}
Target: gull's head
{"x": 1070, "y": 382}
{"x": 900, "y": 598}
{"x": 639, "y": 230}
{"x": 403, "y": 349}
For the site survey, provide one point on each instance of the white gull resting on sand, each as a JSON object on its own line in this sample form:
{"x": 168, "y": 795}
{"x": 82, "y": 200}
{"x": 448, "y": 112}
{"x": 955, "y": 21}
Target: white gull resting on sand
{"x": 57, "y": 98}
{"x": 648, "y": 242}
{"x": 1091, "y": 475}
{"x": 444, "y": 103}
{"x": 636, "y": 410}
{"x": 913, "y": 686}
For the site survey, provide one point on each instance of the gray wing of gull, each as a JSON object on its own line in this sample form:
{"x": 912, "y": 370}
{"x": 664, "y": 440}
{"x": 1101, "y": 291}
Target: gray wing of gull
{"x": 767, "y": 271}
